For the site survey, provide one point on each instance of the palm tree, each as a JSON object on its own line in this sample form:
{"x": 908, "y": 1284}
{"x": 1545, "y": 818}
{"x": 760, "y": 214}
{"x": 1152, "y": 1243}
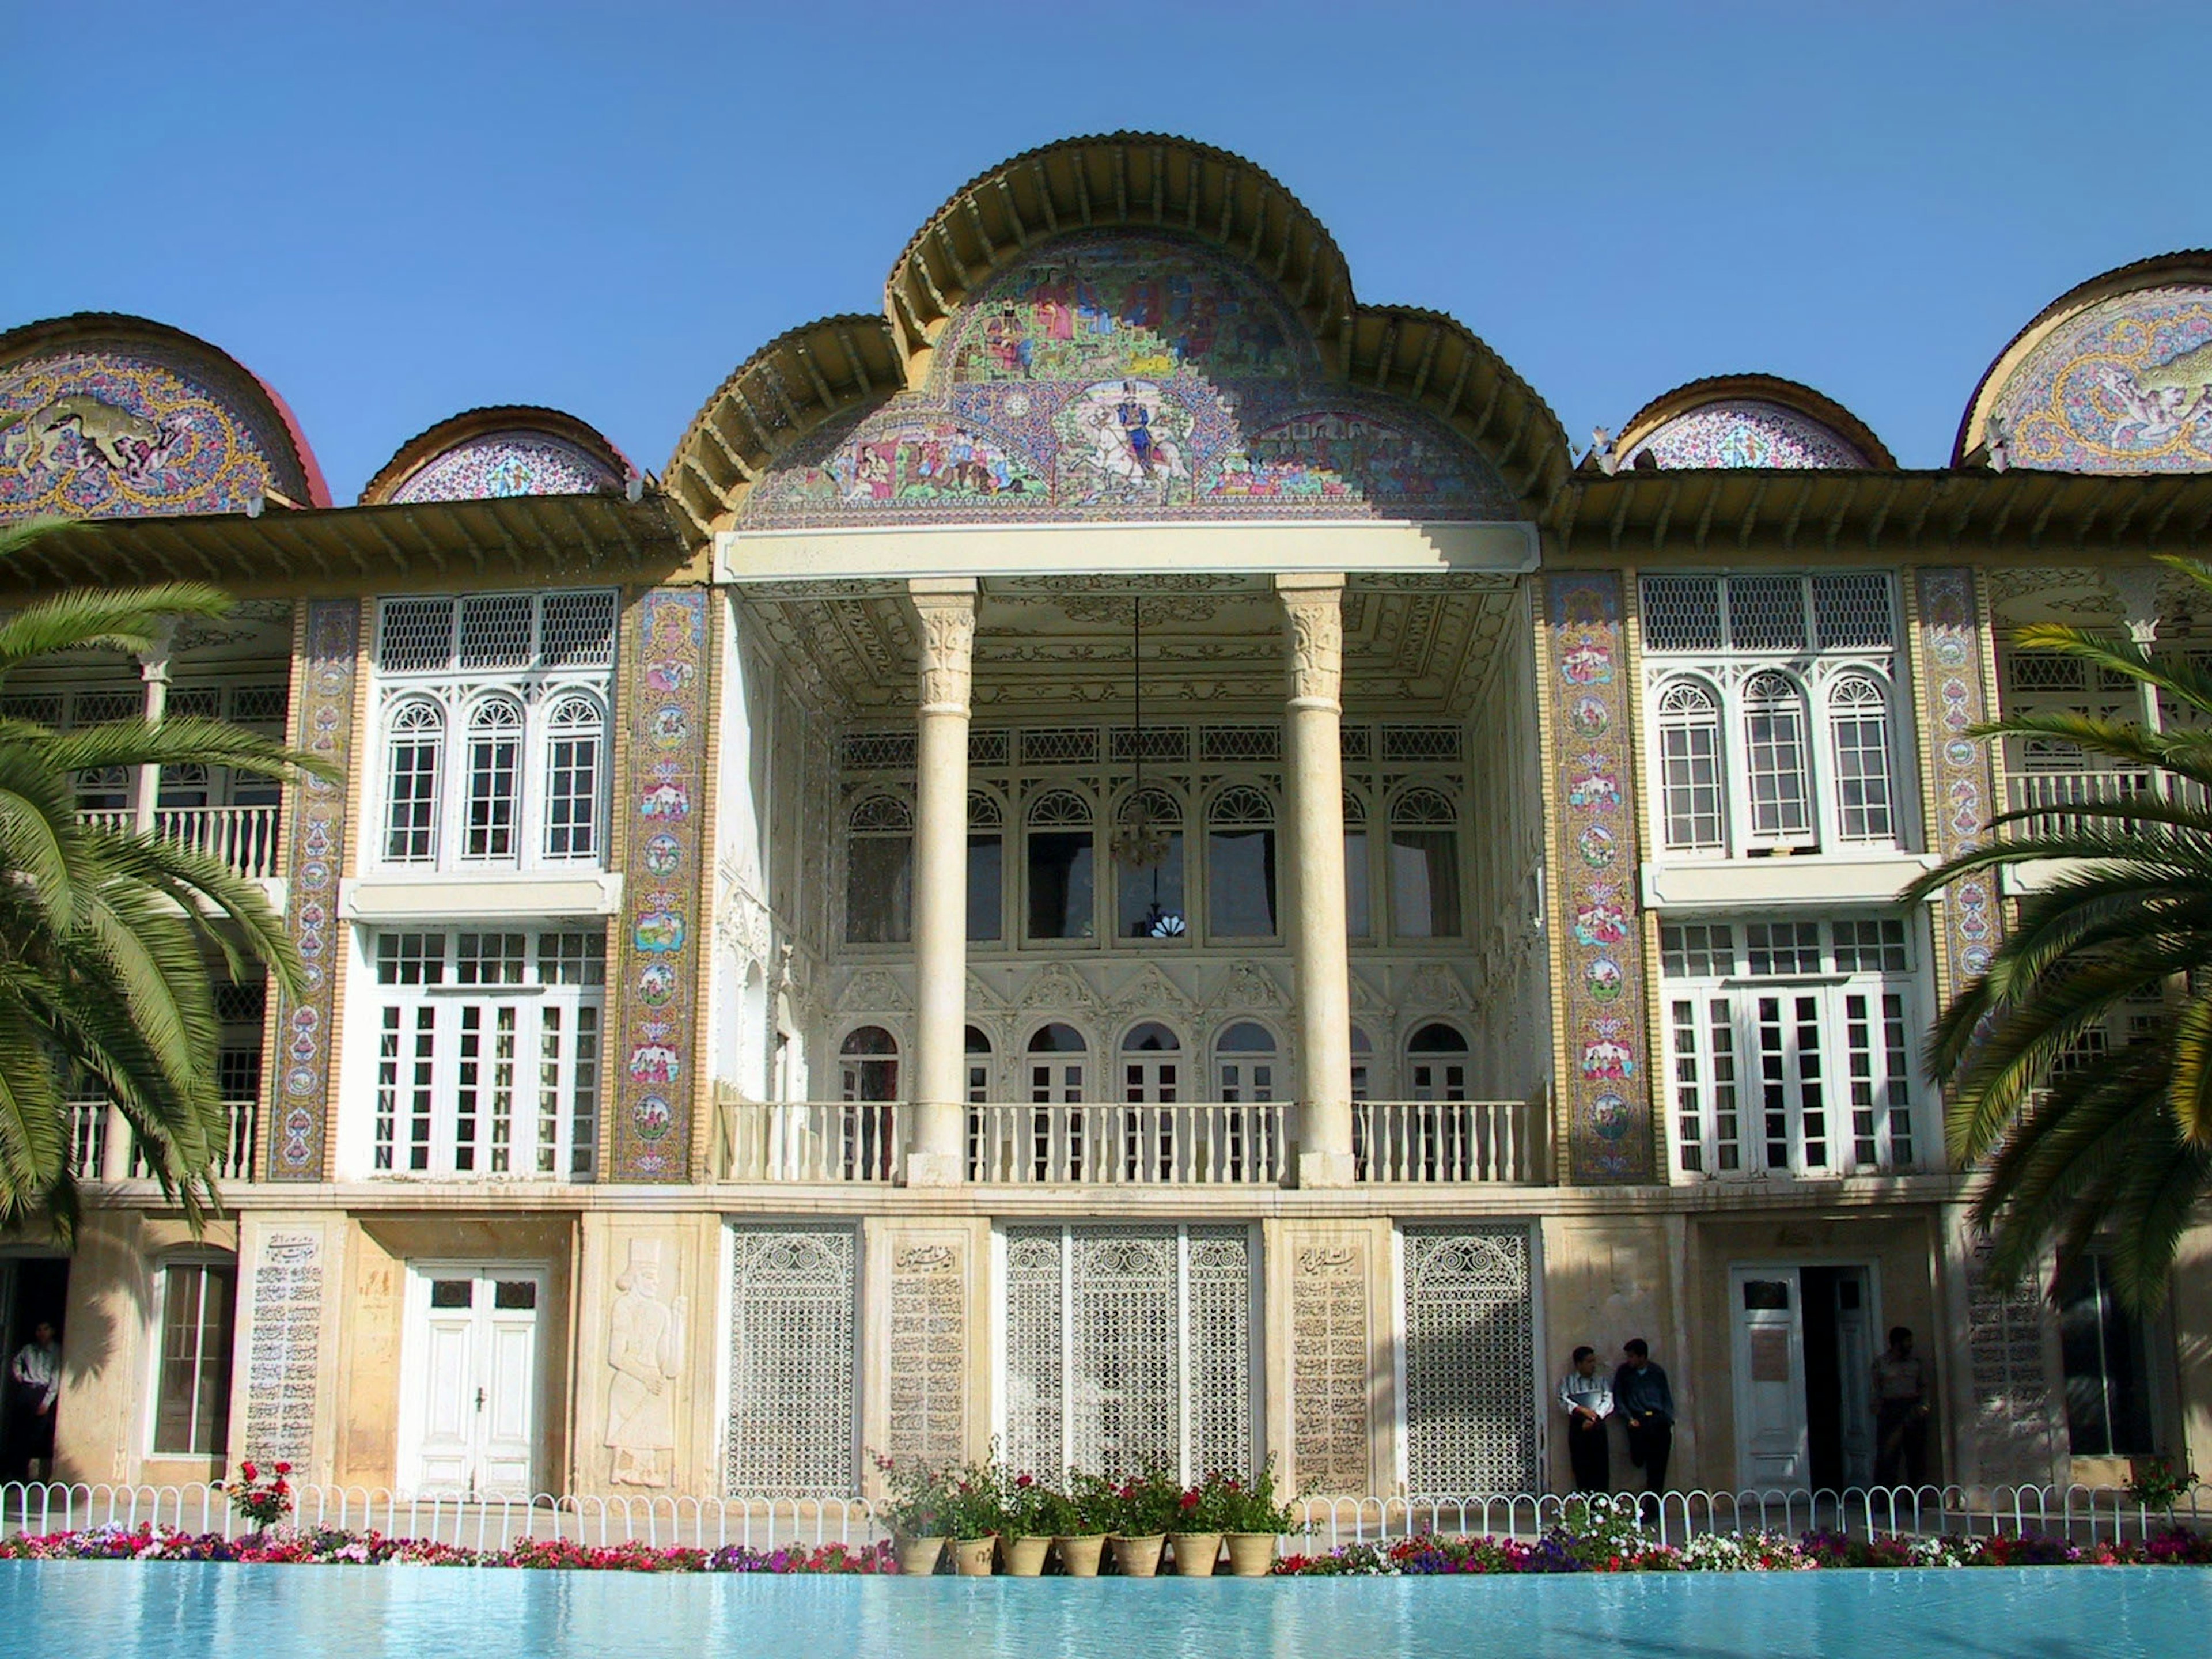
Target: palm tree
{"x": 2084, "y": 1141}
{"x": 107, "y": 934}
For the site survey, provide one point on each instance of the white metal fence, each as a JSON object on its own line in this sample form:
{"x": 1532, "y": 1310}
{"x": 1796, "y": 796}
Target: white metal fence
{"x": 2082, "y": 1515}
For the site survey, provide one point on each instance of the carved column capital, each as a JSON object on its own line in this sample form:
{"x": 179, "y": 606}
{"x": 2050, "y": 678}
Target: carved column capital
{"x": 947, "y": 611}
{"x": 1314, "y": 607}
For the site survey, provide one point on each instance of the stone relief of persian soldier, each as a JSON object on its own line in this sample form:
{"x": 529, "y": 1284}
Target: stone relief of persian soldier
{"x": 645, "y": 1346}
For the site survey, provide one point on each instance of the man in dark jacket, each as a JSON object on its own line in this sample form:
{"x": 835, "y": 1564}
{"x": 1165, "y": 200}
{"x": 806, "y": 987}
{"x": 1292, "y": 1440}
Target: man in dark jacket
{"x": 1646, "y": 1404}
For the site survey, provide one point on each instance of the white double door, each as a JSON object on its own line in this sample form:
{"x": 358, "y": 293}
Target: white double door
{"x": 1774, "y": 1391}
{"x": 468, "y": 1418}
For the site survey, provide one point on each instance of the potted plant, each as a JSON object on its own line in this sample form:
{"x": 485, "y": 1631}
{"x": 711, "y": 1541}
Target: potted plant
{"x": 914, "y": 1509}
{"x": 1031, "y": 1520}
{"x": 974, "y": 1514}
{"x": 1251, "y": 1518}
{"x": 1195, "y": 1533}
{"x": 1147, "y": 1505}
{"x": 1082, "y": 1517}
{"x": 264, "y": 1499}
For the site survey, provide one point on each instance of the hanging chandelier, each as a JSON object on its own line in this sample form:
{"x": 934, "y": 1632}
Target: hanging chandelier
{"x": 1139, "y": 840}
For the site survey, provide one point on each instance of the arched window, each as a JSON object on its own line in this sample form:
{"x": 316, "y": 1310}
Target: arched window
{"x": 1054, "y": 1064}
{"x": 1775, "y": 761}
{"x": 1362, "y": 1061}
{"x": 1240, "y": 864}
{"x": 1244, "y": 1063}
{"x": 415, "y": 746}
{"x": 493, "y": 779}
{"x": 1435, "y": 1062}
{"x": 1424, "y": 865}
{"x": 1690, "y": 767}
{"x": 977, "y": 1044}
{"x": 1152, "y": 1064}
{"x": 868, "y": 1065}
{"x": 986, "y": 866}
{"x": 880, "y": 870}
{"x": 1858, "y": 715}
{"x": 1148, "y": 895}
{"x": 574, "y": 735}
{"x": 1061, "y": 858}
{"x": 1358, "y": 908}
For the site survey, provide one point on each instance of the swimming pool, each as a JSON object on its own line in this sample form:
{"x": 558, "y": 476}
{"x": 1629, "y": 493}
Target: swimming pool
{"x": 158, "y": 1610}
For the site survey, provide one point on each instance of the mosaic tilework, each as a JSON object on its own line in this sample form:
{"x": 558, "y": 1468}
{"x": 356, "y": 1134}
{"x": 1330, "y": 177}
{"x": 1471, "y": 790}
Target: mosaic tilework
{"x": 1746, "y": 432}
{"x": 315, "y": 855}
{"x": 1607, "y": 1086}
{"x": 664, "y": 689}
{"x": 1959, "y": 766}
{"x": 508, "y": 463}
{"x": 1114, "y": 377}
{"x": 110, "y": 434}
{"x": 2125, "y": 386}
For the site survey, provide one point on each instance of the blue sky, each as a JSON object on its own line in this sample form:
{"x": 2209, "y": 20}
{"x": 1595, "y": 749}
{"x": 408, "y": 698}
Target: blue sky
{"x": 395, "y": 212}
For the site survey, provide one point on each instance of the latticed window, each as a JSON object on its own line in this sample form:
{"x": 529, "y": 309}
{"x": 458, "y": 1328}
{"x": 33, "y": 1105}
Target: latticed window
{"x": 1129, "y": 1347}
{"x": 1774, "y": 750}
{"x": 1425, "y": 865}
{"x": 1690, "y": 767}
{"x": 496, "y": 630}
{"x": 792, "y": 1426}
{"x": 1469, "y": 1330}
{"x": 488, "y": 1046}
{"x": 880, "y": 870}
{"x": 1793, "y": 1054}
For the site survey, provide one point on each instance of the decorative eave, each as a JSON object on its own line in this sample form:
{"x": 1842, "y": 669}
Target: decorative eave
{"x": 1133, "y": 181}
{"x": 1826, "y": 513}
{"x": 513, "y": 540}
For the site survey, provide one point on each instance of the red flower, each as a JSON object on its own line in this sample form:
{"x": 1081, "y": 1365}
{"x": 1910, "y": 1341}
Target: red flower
{"x": 1025, "y": 1480}
{"x": 284, "y": 1468}
{"x": 249, "y": 1471}
{"x": 1189, "y": 1501}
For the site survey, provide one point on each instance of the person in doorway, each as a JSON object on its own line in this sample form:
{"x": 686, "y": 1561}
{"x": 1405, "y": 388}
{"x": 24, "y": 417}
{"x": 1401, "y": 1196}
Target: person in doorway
{"x": 34, "y": 1384}
{"x": 1646, "y": 1404}
{"x": 1587, "y": 1399}
{"x": 1902, "y": 1398}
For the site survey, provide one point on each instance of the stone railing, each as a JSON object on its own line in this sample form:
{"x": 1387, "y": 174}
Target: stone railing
{"x": 100, "y": 1147}
{"x": 243, "y": 838}
{"x": 1117, "y": 1143}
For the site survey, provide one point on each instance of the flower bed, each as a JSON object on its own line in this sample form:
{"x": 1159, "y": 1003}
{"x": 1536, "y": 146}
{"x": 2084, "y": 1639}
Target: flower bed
{"x": 1616, "y": 1549}
{"x": 334, "y": 1547}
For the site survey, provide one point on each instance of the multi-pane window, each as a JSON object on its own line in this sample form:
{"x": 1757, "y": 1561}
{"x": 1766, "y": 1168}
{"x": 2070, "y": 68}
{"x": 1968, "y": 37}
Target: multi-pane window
{"x": 192, "y": 1394}
{"x": 880, "y": 870}
{"x": 1770, "y": 717}
{"x": 1791, "y": 1046}
{"x": 2106, "y": 1363}
{"x": 1240, "y": 864}
{"x": 1424, "y": 865}
{"x": 493, "y": 728}
{"x": 488, "y": 1045}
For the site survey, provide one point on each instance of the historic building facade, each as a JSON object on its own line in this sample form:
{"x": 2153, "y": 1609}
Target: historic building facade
{"x": 1125, "y": 858}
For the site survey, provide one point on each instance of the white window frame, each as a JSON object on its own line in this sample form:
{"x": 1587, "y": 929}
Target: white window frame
{"x": 202, "y": 1262}
{"x": 430, "y": 1040}
{"x": 1743, "y": 1102}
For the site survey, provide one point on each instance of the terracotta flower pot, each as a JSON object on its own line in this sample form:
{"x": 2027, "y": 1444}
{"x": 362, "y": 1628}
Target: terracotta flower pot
{"x": 1026, "y": 1556}
{"x": 918, "y": 1557}
{"x": 1078, "y": 1555}
{"x": 1137, "y": 1558}
{"x": 974, "y": 1558}
{"x": 1251, "y": 1555}
{"x": 1196, "y": 1553}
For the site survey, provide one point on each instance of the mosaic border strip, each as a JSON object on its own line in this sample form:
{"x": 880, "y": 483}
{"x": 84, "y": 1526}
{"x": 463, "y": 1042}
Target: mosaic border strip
{"x": 1607, "y": 1084}
{"x": 314, "y": 856}
{"x": 665, "y": 792}
{"x": 1963, "y": 784}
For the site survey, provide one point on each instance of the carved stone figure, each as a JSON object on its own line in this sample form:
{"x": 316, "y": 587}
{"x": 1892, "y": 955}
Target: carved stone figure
{"x": 645, "y": 1346}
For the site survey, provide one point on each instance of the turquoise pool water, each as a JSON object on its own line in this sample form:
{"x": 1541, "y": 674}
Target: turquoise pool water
{"x": 52, "y": 1609}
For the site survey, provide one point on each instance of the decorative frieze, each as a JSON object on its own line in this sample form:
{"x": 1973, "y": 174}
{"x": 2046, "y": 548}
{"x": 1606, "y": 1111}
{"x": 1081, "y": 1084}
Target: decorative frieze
{"x": 1962, "y": 789}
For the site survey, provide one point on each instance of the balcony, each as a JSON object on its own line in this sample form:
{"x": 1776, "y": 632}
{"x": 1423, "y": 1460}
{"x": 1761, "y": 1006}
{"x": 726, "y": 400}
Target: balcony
{"x": 243, "y": 838}
{"x": 100, "y": 1147}
{"x": 1107, "y": 1144}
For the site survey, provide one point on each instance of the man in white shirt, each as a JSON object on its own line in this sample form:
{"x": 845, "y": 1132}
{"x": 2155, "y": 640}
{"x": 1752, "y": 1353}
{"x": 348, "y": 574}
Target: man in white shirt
{"x": 1587, "y": 1399}
{"x": 34, "y": 1378}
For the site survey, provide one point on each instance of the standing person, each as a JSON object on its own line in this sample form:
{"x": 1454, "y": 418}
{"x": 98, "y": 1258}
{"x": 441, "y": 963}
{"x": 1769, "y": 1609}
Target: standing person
{"x": 1646, "y": 1404}
{"x": 1901, "y": 1401}
{"x": 34, "y": 1382}
{"x": 1587, "y": 1399}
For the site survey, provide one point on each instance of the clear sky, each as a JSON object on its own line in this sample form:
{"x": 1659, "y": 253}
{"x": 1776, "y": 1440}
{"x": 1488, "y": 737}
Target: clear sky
{"x": 396, "y": 212}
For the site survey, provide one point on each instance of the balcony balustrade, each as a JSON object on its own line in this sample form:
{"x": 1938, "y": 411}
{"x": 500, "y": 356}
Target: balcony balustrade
{"x": 243, "y": 838}
{"x": 101, "y": 1147}
{"x": 1112, "y": 1143}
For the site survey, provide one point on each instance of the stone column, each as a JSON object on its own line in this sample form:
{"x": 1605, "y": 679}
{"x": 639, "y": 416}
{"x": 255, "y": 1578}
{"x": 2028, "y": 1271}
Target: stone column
{"x": 1313, "y": 605}
{"x": 146, "y": 780}
{"x": 937, "y": 1155}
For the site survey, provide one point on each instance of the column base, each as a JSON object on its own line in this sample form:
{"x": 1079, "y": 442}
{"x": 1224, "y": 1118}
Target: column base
{"x": 1325, "y": 1170}
{"x": 936, "y": 1169}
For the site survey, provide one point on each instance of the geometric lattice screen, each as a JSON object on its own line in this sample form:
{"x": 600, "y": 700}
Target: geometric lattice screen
{"x": 792, "y": 1426}
{"x": 1129, "y": 1347}
{"x": 1470, "y": 1360}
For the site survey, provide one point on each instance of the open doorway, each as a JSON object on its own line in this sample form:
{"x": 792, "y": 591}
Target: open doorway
{"x": 1804, "y": 1347}
{"x": 34, "y": 1292}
